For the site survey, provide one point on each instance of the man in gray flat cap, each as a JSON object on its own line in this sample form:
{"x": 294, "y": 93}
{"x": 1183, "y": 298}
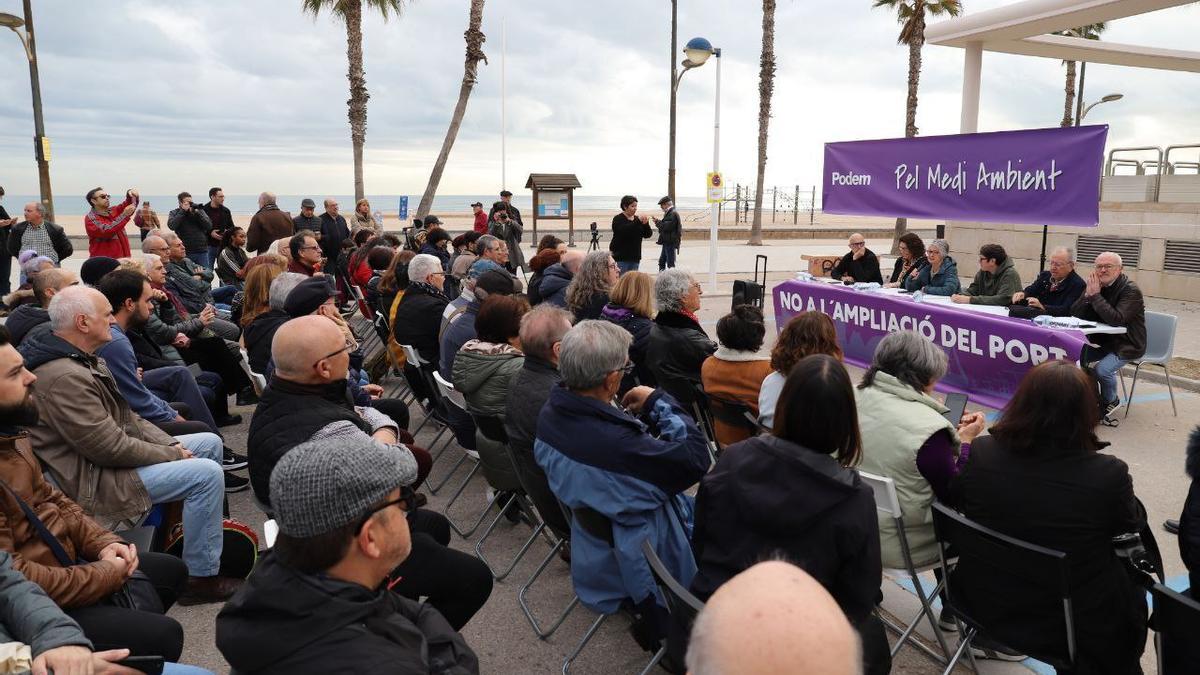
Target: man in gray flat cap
{"x": 317, "y": 603}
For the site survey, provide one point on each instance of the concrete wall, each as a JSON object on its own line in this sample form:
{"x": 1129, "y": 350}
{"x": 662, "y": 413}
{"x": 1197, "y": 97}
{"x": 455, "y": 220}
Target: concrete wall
{"x": 1153, "y": 223}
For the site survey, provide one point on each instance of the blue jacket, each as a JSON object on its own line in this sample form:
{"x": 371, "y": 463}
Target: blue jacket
{"x": 598, "y": 456}
{"x": 945, "y": 282}
{"x": 122, "y": 363}
{"x": 456, "y": 334}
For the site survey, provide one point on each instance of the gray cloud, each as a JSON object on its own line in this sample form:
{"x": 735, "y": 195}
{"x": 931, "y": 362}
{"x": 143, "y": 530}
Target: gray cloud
{"x": 161, "y": 94}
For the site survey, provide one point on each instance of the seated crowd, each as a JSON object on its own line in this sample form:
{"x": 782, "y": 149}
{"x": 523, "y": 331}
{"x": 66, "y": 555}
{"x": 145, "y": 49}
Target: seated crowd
{"x": 584, "y": 412}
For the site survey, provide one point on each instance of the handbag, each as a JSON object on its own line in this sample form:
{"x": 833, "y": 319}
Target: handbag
{"x": 137, "y": 592}
{"x": 239, "y": 547}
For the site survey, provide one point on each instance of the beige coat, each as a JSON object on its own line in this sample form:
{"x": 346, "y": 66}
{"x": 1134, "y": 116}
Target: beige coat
{"x": 87, "y": 435}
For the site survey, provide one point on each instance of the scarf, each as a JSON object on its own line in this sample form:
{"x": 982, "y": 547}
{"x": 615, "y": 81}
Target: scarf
{"x": 179, "y": 308}
{"x": 688, "y": 314}
{"x": 427, "y": 289}
{"x": 480, "y": 347}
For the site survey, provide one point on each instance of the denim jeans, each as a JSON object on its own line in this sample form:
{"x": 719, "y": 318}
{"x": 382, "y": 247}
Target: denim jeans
{"x": 176, "y": 384}
{"x": 666, "y": 259}
{"x": 628, "y": 266}
{"x": 200, "y": 258}
{"x": 200, "y": 483}
{"x": 223, "y": 295}
{"x": 1106, "y": 368}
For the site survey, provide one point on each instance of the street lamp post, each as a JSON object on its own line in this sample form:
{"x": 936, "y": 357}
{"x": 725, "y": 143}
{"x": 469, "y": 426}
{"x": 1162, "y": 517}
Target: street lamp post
{"x": 698, "y": 50}
{"x": 1080, "y": 113}
{"x": 41, "y": 145}
{"x": 1107, "y": 99}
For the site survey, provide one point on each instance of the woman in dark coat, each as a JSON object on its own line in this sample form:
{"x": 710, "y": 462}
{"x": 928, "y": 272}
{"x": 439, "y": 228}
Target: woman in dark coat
{"x": 678, "y": 344}
{"x": 1040, "y": 478}
{"x": 631, "y": 306}
{"x": 587, "y": 294}
{"x": 794, "y": 494}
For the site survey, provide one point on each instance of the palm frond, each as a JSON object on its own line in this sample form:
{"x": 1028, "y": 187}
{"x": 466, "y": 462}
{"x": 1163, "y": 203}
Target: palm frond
{"x": 386, "y": 8}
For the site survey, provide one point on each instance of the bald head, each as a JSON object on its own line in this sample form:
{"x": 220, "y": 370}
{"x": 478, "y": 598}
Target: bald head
{"x": 301, "y": 343}
{"x": 571, "y": 260}
{"x": 772, "y": 618}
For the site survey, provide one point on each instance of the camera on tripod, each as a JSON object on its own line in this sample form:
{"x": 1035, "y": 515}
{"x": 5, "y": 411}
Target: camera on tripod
{"x": 595, "y": 245}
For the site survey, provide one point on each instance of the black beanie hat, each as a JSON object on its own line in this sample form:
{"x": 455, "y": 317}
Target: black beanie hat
{"x": 95, "y": 268}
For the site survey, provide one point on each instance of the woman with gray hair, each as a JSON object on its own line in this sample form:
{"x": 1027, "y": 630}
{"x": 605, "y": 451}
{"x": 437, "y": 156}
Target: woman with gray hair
{"x": 678, "y": 344}
{"x": 588, "y": 292}
{"x": 906, "y": 438}
{"x": 940, "y": 276}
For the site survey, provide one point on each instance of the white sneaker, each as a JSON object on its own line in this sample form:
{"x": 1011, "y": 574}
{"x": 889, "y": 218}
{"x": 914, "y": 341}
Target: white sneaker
{"x": 946, "y": 622}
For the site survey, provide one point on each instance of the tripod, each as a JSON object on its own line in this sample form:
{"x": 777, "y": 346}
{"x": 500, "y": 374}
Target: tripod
{"x": 595, "y": 245}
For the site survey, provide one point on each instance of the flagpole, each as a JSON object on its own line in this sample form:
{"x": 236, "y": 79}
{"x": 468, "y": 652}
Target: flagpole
{"x": 503, "y": 106}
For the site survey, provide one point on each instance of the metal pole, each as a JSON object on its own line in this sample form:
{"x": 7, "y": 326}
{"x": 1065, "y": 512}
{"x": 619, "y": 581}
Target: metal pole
{"x": 674, "y": 86}
{"x": 504, "y": 116}
{"x": 972, "y": 71}
{"x": 796, "y": 207}
{"x": 812, "y": 205}
{"x": 716, "y": 207}
{"x": 1079, "y": 96}
{"x": 39, "y": 128}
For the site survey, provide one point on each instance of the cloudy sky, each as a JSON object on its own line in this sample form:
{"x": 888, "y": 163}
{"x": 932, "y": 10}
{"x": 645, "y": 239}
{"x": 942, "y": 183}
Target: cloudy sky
{"x": 251, "y": 94}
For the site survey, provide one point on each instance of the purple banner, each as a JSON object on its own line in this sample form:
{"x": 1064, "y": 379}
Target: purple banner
{"x": 1036, "y": 177}
{"x": 989, "y": 355}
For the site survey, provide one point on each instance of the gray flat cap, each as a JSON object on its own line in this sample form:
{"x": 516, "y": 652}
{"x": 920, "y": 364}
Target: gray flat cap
{"x": 320, "y": 486}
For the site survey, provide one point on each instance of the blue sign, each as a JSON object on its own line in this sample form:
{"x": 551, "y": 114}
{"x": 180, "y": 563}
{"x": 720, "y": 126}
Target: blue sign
{"x": 404, "y": 208}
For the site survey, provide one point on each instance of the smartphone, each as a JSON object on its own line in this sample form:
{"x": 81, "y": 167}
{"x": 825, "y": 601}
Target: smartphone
{"x": 151, "y": 665}
{"x": 957, "y": 403}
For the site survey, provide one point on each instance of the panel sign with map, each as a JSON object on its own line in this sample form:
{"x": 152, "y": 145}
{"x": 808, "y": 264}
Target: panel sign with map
{"x": 552, "y": 204}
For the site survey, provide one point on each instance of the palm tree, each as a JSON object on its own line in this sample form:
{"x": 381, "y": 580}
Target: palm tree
{"x": 766, "y": 86}
{"x": 911, "y": 16}
{"x": 351, "y": 12}
{"x": 1088, "y": 32}
{"x": 475, "y": 39}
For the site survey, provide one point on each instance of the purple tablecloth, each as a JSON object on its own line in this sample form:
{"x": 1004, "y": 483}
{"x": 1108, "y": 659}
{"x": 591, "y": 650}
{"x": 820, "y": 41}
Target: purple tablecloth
{"x": 988, "y": 354}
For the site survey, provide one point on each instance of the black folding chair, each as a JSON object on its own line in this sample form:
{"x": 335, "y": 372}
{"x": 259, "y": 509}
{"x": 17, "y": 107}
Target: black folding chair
{"x": 681, "y": 604}
{"x": 705, "y": 421}
{"x": 1017, "y": 565}
{"x": 598, "y": 525}
{"x": 1176, "y": 624}
{"x": 492, "y": 428}
{"x": 734, "y": 413}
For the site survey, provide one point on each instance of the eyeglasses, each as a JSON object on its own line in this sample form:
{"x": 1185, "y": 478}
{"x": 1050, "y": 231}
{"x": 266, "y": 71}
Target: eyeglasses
{"x": 101, "y": 196}
{"x": 1105, "y": 266}
{"x": 349, "y": 346}
{"x": 310, "y": 248}
{"x": 626, "y": 369}
{"x": 933, "y": 251}
{"x": 377, "y": 509}
{"x": 856, "y": 244}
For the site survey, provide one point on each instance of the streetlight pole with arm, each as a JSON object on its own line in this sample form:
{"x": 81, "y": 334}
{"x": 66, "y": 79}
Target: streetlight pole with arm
{"x": 698, "y": 50}
{"x": 24, "y": 30}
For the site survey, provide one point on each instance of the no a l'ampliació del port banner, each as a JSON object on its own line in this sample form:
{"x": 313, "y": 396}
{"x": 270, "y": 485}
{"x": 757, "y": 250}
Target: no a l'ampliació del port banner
{"x": 1036, "y": 177}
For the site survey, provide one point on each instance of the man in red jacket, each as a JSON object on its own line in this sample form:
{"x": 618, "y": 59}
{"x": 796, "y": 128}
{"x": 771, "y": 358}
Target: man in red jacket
{"x": 106, "y": 231}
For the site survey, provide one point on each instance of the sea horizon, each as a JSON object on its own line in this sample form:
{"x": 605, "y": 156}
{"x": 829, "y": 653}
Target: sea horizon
{"x": 443, "y": 205}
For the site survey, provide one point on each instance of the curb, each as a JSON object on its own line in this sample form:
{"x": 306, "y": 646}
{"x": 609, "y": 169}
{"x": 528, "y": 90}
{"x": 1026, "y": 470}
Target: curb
{"x": 1156, "y": 376}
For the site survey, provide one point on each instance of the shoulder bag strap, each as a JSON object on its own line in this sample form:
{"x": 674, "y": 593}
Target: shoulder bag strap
{"x": 47, "y": 536}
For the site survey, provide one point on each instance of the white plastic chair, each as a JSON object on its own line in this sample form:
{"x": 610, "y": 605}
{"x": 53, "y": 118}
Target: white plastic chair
{"x": 270, "y": 532}
{"x": 1160, "y": 347}
{"x": 888, "y": 503}
{"x": 259, "y": 382}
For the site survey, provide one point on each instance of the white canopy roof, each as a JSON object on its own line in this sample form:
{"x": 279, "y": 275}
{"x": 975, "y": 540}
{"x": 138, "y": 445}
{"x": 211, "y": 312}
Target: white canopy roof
{"x": 1024, "y": 27}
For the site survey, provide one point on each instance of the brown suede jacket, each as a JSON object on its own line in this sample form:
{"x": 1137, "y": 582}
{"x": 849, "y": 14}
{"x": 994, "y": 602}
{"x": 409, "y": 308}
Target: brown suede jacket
{"x": 76, "y": 586}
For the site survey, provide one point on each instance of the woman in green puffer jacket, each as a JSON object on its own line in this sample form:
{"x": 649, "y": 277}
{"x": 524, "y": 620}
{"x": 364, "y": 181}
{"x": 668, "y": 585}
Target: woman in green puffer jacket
{"x": 482, "y": 372}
